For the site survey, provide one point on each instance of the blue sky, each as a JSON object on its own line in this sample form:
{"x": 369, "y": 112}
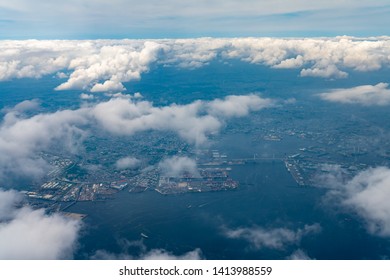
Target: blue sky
{"x": 91, "y": 19}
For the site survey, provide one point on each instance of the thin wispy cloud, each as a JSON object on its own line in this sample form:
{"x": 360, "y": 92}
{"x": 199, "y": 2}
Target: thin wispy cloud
{"x": 136, "y": 250}
{"x": 273, "y": 238}
{"x": 173, "y": 18}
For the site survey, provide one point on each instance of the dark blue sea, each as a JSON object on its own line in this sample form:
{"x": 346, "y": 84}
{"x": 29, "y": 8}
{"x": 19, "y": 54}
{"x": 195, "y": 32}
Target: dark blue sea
{"x": 268, "y": 197}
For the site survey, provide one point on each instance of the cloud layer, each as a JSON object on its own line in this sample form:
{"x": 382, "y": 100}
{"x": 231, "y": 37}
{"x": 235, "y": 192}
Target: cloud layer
{"x": 367, "y": 194}
{"x": 104, "y": 65}
{"x": 368, "y": 95}
{"x": 20, "y": 142}
{"x": 237, "y": 105}
{"x": 31, "y": 234}
{"x": 123, "y": 116}
{"x": 22, "y": 138}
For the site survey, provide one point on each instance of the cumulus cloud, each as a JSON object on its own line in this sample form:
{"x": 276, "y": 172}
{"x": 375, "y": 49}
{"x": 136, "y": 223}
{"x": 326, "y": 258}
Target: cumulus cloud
{"x": 107, "y": 86}
{"x": 368, "y": 95}
{"x": 61, "y": 75}
{"x": 318, "y": 57}
{"x": 294, "y": 62}
{"x": 113, "y": 64}
{"x": 177, "y": 166}
{"x": 324, "y": 72}
{"x": 137, "y": 95}
{"x": 238, "y": 105}
{"x": 31, "y": 234}
{"x": 276, "y": 238}
{"x": 104, "y": 65}
{"x": 93, "y": 65}
{"x": 23, "y": 137}
{"x": 192, "y": 53}
{"x": 86, "y": 96}
{"x": 126, "y": 117}
{"x": 34, "y": 59}
{"x": 366, "y": 194}
{"x": 24, "y": 106}
{"x": 127, "y": 163}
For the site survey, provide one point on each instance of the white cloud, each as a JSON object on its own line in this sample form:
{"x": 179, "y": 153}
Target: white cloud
{"x": 20, "y": 142}
{"x": 238, "y": 105}
{"x": 299, "y": 255}
{"x": 367, "y": 194}
{"x": 9, "y": 200}
{"x": 103, "y": 65}
{"x": 86, "y": 96}
{"x": 108, "y": 86}
{"x": 159, "y": 254}
{"x": 31, "y": 234}
{"x": 154, "y": 254}
{"x": 113, "y": 64}
{"x": 290, "y": 63}
{"x": 368, "y": 95}
{"x": 61, "y": 75}
{"x": 324, "y": 72}
{"x": 126, "y": 117}
{"x": 320, "y": 57}
{"x": 93, "y": 65}
{"x": 138, "y": 95}
{"x": 192, "y": 53}
{"x": 25, "y": 106}
{"x": 136, "y": 250}
{"x": 276, "y": 238}
{"x": 21, "y": 139}
{"x": 127, "y": 163}
{"x": 34, "y": 59}
{"x": 177, "y": 166}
